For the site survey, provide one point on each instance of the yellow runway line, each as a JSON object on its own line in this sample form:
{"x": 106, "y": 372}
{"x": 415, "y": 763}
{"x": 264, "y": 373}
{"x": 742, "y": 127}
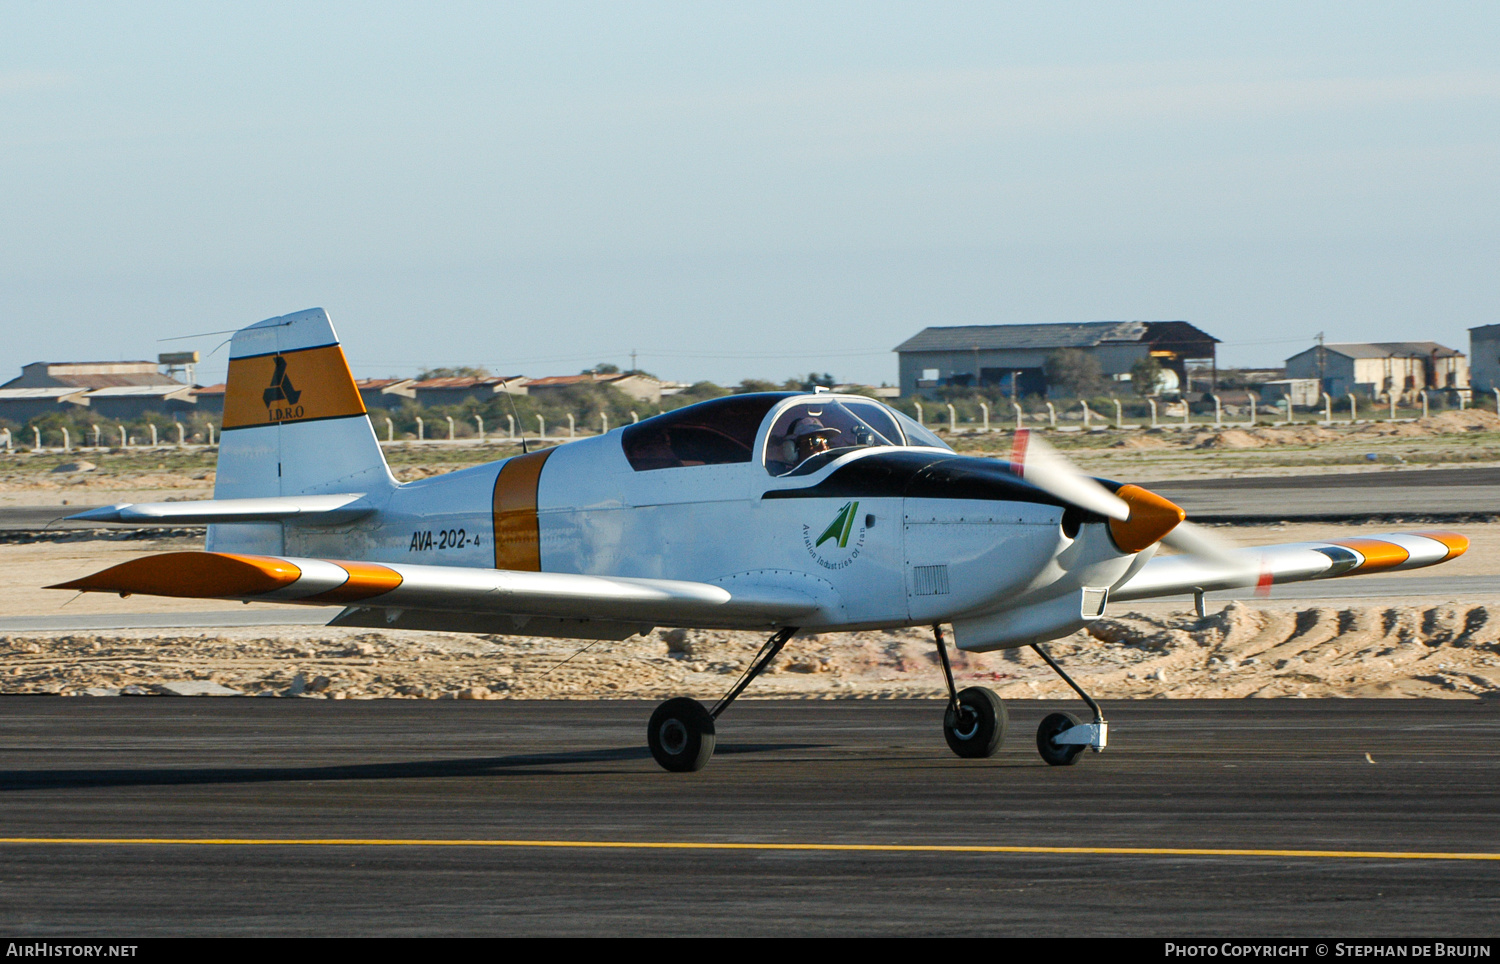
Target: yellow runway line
{"x": 705, "y": 845}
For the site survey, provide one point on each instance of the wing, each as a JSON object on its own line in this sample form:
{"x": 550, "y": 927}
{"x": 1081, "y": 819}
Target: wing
{"x": 401, "y": 596}
{"x": 1291, "y": 562}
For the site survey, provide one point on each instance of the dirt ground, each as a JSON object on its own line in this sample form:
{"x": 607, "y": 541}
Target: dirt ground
{"x": 1418, "y": 646}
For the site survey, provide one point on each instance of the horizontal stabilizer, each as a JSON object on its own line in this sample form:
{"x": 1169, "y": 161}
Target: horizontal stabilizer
{"x": 308, "y": 509}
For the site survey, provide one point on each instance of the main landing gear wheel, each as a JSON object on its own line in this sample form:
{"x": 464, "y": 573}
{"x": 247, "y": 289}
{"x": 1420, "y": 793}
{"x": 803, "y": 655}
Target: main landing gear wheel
{"x": 975, "y": 727}
{"x": 1057, "y": 754}
{"x": 681, "y": 735}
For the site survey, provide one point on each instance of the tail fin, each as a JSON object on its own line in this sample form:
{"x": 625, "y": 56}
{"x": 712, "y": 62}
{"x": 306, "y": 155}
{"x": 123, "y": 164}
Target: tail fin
{"x": 294, "y": 423}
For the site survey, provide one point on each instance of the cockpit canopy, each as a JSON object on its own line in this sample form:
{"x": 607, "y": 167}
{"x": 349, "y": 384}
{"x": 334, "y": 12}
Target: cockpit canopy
{"x": 806, "y": 431}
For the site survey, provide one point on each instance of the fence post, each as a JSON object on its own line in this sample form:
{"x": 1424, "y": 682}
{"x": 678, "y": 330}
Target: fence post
{"x": 7, "y": 438}
{"x": 421, "y": 429}
{"x": 210, "y": 434}
{"x": 1392, "y": 397}
{"x": 1289, "y": 409}
{"x": 1497, "y": 399}
{"x": 67, "y": 444}
{"x": 479, "y": 426}
{"x": 1119, "y": 414}
{"x": 572, "y": 428}
{"x": 1086, "y": 413}
{"x": 1187, "y": 413}
{"x": 511, "y": 421}
{"x": 1327, "y": 409}
{"x": 1218, "y": 411}
{"x": 124, "y": 439}
{"x": 952, "y": 420}
{"x": 634, "y": 417}
{"x": 919, "y": 412}
{"x": 1424, "y": 402}
{"x": 153, "y": 434}
{"x": 541, "y": 431}
{"x": 1051, "y": 415}
{"x": 1019, "y": 416}
{"x": 1462, "y": 401}
{"x": 390, "y": 429}
{"x": 37, "y": 445}
{"x": 1252, "y": 410}
{"x": 1353, "y": 409}
{"x": 97, "y": 443}
{"x": 179, "y": 434}
{"x": 603, "y": 424}
{"x": 1152, "y": 403}
{"x": 986, "y": 410}
{"x": 450, "y": 427}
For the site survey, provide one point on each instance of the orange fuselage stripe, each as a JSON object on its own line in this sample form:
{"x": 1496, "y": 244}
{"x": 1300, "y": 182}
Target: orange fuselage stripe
{"x": 1378, "y": 554}
{"x": 292, "y": 386}
{"x": 194, "y": 575}
{"x": 518, "y": 540}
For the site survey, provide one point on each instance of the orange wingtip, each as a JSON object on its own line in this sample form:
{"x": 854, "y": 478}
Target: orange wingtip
{"x": 366, "y": 580}
{"x": 1378, "y": 553}
{"x": 195, "y": 575}
{"x": 1457, "y": 544}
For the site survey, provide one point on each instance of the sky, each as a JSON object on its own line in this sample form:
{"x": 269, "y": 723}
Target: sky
{"x": 740, "y": 190}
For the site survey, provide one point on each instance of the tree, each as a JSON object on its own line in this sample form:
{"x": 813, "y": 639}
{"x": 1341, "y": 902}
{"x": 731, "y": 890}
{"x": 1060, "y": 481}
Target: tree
{"x": 1145, "y": 376}
{"x": 755, "y": 385}
{"x": 462, "y": 371}
{"x": 603, "y": 368}
{"x": 1074, "y": 373}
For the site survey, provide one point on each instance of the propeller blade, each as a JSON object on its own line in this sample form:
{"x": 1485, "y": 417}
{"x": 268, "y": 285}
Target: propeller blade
{"x": 1202, "y": 543}
{"x": 1041, "y": 465}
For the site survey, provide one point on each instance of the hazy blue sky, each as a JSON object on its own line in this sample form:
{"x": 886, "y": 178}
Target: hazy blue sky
{"x": 741, "y": 189}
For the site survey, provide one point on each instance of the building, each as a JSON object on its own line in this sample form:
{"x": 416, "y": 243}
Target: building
{"x": 639, "y": 386}
{"x": 128, "y": 402}
{"x": 386, "y": 393}
{"x": 1304, "y": 392}
{"x": 453, "y": 391}
{"x": 20, "y": 405}
{"x": 89, "y": 375}
{"x": 1377, "y": 368}
{"x": 1013, "y": 357}
{"x": 1484, "y": 357}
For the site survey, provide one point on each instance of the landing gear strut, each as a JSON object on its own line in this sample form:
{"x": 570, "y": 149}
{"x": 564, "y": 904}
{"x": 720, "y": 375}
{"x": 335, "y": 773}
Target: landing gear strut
{"x": 974, "y": 723}
{"x": 681, "y": 732}
{"x": 1061, "y": 738}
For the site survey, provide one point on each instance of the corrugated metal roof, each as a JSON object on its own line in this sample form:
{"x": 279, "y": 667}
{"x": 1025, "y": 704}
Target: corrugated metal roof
{"x": 1391, "y": 349}
{"x": 1083, "y": 334}
{"x": 18, "y": 394}
{"x": 140, "y": 391}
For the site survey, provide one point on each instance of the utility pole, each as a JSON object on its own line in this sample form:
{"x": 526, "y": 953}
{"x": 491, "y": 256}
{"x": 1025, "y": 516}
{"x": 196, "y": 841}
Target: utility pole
{"x": 1322, "y": 365}
{"x": 632, "y": 360}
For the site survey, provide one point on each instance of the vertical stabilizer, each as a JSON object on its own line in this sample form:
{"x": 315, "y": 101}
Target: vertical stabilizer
{"x": 294, "y": 424}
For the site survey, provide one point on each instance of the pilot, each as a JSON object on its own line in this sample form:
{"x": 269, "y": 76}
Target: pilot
{"x": 809, "y": 437}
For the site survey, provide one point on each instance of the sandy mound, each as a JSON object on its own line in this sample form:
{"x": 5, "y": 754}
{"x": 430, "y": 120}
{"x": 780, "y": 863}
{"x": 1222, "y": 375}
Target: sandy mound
{"x": 1231, "y": 439}
{"x": 1141, "y": 442}
{"x": 1450, "y": 651}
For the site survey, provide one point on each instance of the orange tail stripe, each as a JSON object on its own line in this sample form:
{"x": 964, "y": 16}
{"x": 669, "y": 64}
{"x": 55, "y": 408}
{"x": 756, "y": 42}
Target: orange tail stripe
{"x": 1378, "y": 554}
{"x": 292, "y": 386}
{"x": 365, "y": 580}
{"x": 1457, "y": 544}
{"x": 194, "y": 575}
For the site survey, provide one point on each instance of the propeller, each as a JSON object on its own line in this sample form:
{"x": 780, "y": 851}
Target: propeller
{"x": 1138, "y": 518}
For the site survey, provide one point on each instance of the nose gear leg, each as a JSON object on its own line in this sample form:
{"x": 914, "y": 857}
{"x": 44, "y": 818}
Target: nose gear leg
{"x": 1061, "y": 737}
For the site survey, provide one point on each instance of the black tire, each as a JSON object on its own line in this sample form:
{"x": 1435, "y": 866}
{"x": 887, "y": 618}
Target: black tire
{"x": 681, "y": 735}
{"x": 978, "y": 728}
{"x": 1057, "y": 754}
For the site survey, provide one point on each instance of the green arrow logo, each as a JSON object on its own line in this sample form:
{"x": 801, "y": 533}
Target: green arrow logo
{"x": 839, "y": 528}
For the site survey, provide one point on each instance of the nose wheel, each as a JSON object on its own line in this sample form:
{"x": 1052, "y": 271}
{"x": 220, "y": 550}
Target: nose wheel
{"x": 1061, "y": 738}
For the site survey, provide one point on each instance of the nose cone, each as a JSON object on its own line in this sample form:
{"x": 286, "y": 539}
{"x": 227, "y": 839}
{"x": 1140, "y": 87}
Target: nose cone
{"x": 1151, "y": 518}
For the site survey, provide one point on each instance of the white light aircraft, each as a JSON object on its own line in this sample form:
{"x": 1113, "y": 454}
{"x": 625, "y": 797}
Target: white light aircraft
{"x": 781, "y": 511}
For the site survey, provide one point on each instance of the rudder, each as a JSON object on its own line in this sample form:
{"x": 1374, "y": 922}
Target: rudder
{"x": 294, "y": 423}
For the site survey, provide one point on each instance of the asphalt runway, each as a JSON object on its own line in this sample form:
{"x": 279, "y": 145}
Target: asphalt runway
{"x": 1346, "y": 496}
{"x": 501, "y": 792}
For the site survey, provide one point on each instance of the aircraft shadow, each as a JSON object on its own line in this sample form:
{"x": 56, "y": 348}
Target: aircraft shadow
{"x": 517, "y": 765}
